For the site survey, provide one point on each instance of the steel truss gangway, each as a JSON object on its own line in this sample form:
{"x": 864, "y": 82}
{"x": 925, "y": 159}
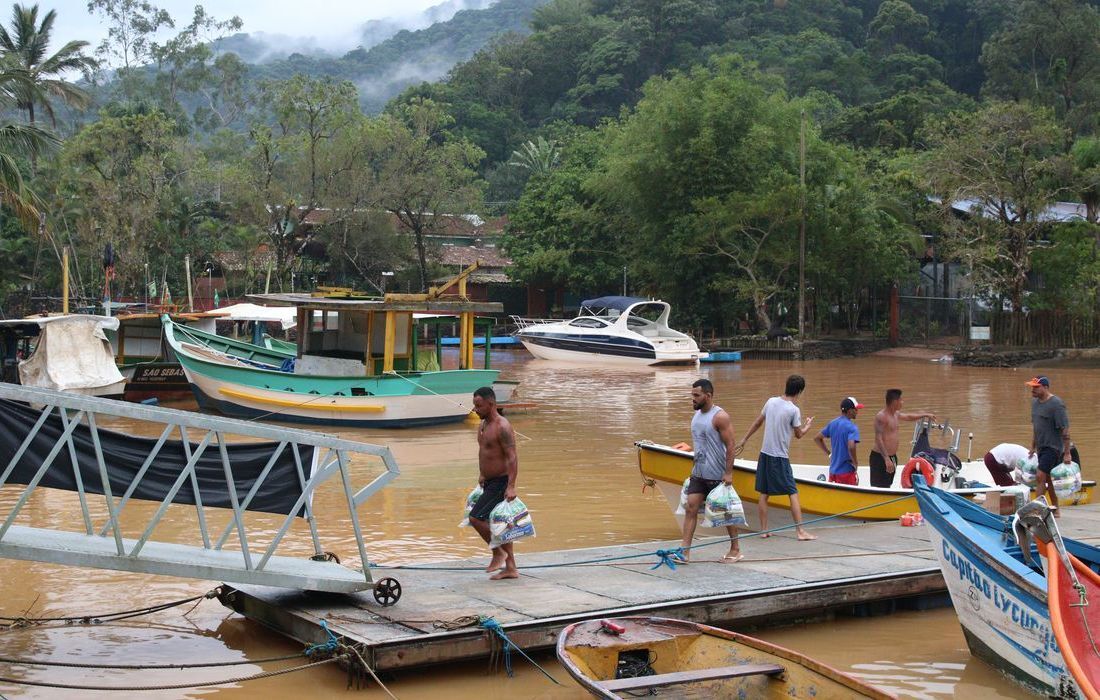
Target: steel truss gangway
{"x": 56, "y": 440}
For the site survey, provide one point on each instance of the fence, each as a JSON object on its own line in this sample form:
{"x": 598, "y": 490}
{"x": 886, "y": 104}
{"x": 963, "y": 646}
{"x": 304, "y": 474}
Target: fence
{"x": 1045, "y": 329}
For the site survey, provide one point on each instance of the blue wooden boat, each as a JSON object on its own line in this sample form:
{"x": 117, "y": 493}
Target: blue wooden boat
{"x": 495, "y": 340}
{"x": 999, "y": 590}
{"x": 725, "y": 356}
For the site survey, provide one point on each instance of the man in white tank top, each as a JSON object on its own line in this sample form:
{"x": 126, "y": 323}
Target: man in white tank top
{"x": 712, "y": 439}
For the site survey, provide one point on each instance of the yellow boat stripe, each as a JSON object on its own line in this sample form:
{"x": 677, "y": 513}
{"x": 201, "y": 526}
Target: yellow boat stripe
{"x": 313, "y": 402}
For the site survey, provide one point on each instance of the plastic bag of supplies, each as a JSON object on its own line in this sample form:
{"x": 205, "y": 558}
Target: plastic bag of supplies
{"x": 1025, "y": 470}
{"x": 724, "y": 507}
{"x": 682, "y": 508}
{"x": 509, "y": 522}
{"x": 471, "y": 501}
{"x": 1066, "y": 479}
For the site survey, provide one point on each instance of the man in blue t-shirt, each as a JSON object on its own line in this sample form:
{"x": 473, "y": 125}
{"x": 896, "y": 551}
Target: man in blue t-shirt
{"x": 843, "y": 437}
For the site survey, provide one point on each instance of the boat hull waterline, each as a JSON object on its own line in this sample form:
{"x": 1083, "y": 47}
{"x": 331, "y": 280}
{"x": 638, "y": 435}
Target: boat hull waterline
{"x": 231, "y": 386}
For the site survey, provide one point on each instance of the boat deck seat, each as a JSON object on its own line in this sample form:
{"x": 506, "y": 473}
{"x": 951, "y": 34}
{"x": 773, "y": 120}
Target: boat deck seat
{"x": 704, "y": 674}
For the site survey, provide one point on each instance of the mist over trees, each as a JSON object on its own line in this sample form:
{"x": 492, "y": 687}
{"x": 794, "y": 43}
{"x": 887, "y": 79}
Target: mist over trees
{"x": 663, "y": 140}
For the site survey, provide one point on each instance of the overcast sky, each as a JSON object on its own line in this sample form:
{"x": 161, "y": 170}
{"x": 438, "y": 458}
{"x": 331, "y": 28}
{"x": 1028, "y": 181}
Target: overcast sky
{"x": 339, "y": 21}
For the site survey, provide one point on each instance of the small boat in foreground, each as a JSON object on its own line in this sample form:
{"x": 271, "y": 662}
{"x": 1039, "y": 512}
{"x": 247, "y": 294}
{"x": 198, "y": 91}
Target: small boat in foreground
{"x": 651, "y": 656}
{"x": 611, "y": 330}
{"x": 1000, "y": 593}
{"x": 1071, "y": 592}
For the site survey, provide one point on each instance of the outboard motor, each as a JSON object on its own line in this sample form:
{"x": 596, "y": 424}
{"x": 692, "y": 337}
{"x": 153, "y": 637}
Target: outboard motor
{"x": 943, "y": 459}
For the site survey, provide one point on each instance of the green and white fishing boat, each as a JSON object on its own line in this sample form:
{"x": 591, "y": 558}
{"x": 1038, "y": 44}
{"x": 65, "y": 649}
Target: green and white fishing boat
{"x": 355, "y": 364}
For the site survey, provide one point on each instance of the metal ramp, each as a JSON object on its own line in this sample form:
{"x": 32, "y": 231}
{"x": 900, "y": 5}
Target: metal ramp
{"x": 311, "y": 459}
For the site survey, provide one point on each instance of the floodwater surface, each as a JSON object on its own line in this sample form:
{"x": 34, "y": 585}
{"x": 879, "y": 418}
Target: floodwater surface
{"x": 579, "y": 477}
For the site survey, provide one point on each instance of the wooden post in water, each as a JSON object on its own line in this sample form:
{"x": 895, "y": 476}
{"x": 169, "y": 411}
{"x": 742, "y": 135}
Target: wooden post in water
{"x": 802, "y": 229}
{"x": 391, "y": 338}
{"x": 65, "y": 280}
{"x": 894, "y": 314}
{"x": 187, "y": 273}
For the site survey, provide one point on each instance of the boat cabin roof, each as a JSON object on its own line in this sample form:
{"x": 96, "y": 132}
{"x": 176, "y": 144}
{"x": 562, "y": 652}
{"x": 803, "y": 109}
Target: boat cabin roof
{"x": 612, "y": 302}
{"x": 437, "y": 306}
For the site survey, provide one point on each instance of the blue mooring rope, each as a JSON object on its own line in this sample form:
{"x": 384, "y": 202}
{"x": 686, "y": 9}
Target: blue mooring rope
{"x": 663, "y": 555}
{"x": 490, "y": 625}
{"x": 330, "y": 645}
{"x": 665, "y": 558}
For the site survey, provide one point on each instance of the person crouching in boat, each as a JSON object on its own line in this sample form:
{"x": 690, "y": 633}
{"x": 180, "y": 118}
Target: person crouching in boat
{"x": 1001, "y": 461}
{"x": 843, "y": 435}
{"x": 713, "y": 441}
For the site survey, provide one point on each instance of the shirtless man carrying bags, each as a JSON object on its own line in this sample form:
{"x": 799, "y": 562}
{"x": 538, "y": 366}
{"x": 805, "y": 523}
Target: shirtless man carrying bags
{"x": 884, "y": 456}
{"x": 499, "y": 467}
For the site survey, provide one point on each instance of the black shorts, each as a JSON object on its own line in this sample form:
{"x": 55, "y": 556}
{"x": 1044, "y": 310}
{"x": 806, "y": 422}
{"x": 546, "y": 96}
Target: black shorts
{"x": 1049, "y": 458}
{"x": 774, "y": 476}
{"x": 879, "y": 476}
{"x": 492, "y": 493}
{"x": 703, "y": 486}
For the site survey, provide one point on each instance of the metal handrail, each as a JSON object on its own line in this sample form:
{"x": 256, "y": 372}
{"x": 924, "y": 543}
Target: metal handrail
{"x": 331, "y": 458}
{"x": 521, "y": 322}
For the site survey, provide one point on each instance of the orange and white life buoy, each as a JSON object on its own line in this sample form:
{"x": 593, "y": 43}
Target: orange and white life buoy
{"x": 912, "y": 465}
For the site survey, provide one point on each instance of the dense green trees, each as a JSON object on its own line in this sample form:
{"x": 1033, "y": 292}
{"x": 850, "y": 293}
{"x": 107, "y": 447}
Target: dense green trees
{"x": 660, "y": 139}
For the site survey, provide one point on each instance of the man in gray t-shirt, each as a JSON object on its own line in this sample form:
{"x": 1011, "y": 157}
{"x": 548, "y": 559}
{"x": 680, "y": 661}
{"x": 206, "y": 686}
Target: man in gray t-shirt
{"x": 781, "y": 419}
{"x": 1049, "y": 437}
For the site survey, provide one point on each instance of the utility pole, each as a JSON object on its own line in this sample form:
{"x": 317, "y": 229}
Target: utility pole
{"x": 802, "y": 230}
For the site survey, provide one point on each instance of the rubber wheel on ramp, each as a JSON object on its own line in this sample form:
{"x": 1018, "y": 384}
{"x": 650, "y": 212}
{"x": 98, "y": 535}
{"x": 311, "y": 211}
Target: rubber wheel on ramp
{"x": 387, "y": 592}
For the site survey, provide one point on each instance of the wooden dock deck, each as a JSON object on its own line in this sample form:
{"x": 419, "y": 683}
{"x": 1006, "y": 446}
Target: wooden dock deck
{"x": 856, "y": 567}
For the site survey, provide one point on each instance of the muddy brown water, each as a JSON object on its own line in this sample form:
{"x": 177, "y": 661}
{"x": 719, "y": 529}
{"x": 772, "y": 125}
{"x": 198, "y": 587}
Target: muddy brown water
{"x": 578, "y": 475}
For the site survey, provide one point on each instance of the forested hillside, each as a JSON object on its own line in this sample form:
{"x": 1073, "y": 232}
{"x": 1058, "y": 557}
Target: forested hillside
{"x": 686, "y": 144}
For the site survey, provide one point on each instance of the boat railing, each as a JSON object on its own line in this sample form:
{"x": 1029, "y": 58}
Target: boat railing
{"x": 521, "y": 322}
{"x": 63, "y": 440}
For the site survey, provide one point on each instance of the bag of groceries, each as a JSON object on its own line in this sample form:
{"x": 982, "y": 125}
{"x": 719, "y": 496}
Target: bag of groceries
{"x": 724, "y": 507}
{"x": 682, "y": 508}
{"x": 509, "y": 522}
{"x": 471, "y": 501}
{"x": 1066, "y": 479}
{"x": 1025, "y": 470}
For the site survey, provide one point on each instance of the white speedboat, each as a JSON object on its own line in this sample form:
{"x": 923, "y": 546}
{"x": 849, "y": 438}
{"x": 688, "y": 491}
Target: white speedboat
{"x": 611, "y": 330}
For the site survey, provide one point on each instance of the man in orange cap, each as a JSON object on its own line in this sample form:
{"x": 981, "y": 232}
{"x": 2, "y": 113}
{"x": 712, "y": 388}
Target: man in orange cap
{"x": 1049, "y": 435}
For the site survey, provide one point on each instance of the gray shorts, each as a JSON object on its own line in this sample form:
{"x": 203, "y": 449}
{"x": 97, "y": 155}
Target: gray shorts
{"x": 774, "y": 476}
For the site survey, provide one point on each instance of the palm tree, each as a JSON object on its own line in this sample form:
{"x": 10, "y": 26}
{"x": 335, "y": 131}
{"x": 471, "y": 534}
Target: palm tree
{"x": 19, "y": 140}
{"x": 539, "y": 157}
{"x": 25, "y": 47}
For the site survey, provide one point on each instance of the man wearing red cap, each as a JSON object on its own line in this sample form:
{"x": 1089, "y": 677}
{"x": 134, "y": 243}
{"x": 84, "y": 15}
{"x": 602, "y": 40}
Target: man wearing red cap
{"x": 843, "y": 435}
{"x": 1049, "y": 436}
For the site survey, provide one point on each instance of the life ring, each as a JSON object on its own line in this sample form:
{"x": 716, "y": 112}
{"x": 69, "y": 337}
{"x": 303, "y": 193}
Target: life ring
{"x": 912, "y": 465}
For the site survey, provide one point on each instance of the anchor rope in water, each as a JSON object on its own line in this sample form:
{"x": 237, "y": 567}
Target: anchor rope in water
{"x": 493, "y": 627}
{"x": 177, "y": 686}
{"x": 663, "y": 555}
{"x": 25, "y": 621}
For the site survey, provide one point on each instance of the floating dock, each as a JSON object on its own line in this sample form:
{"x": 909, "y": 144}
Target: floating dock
{"x": 722, "y": 356}
{"x": 849, "y": 569}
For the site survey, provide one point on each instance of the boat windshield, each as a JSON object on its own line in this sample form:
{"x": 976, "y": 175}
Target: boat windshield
{"x": 588, "y": 322}
{"x": 642, "y": 316}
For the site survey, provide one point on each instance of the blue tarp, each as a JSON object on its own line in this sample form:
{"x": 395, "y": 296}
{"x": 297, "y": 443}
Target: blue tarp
{"x": 618, "y": 303}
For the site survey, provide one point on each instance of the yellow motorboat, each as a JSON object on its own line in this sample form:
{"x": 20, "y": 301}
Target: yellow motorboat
{"x": 657, "y": 657}
{"x": 665, "y": 468}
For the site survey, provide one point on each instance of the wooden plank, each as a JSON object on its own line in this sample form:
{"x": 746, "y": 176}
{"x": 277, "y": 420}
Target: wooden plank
{"x": 680, "y": 677}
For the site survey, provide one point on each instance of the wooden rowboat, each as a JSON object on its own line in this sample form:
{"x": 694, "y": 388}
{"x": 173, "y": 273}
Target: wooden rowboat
{"x": 1071, "y": 599}
{"x": 660, "y": 657}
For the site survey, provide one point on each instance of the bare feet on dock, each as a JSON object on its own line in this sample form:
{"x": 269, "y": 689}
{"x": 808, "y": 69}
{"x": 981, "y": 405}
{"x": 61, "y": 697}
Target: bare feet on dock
{"x": 506, "y": 573}
{"x": 497, "y": 562}
{"x": 805, "y": 536}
